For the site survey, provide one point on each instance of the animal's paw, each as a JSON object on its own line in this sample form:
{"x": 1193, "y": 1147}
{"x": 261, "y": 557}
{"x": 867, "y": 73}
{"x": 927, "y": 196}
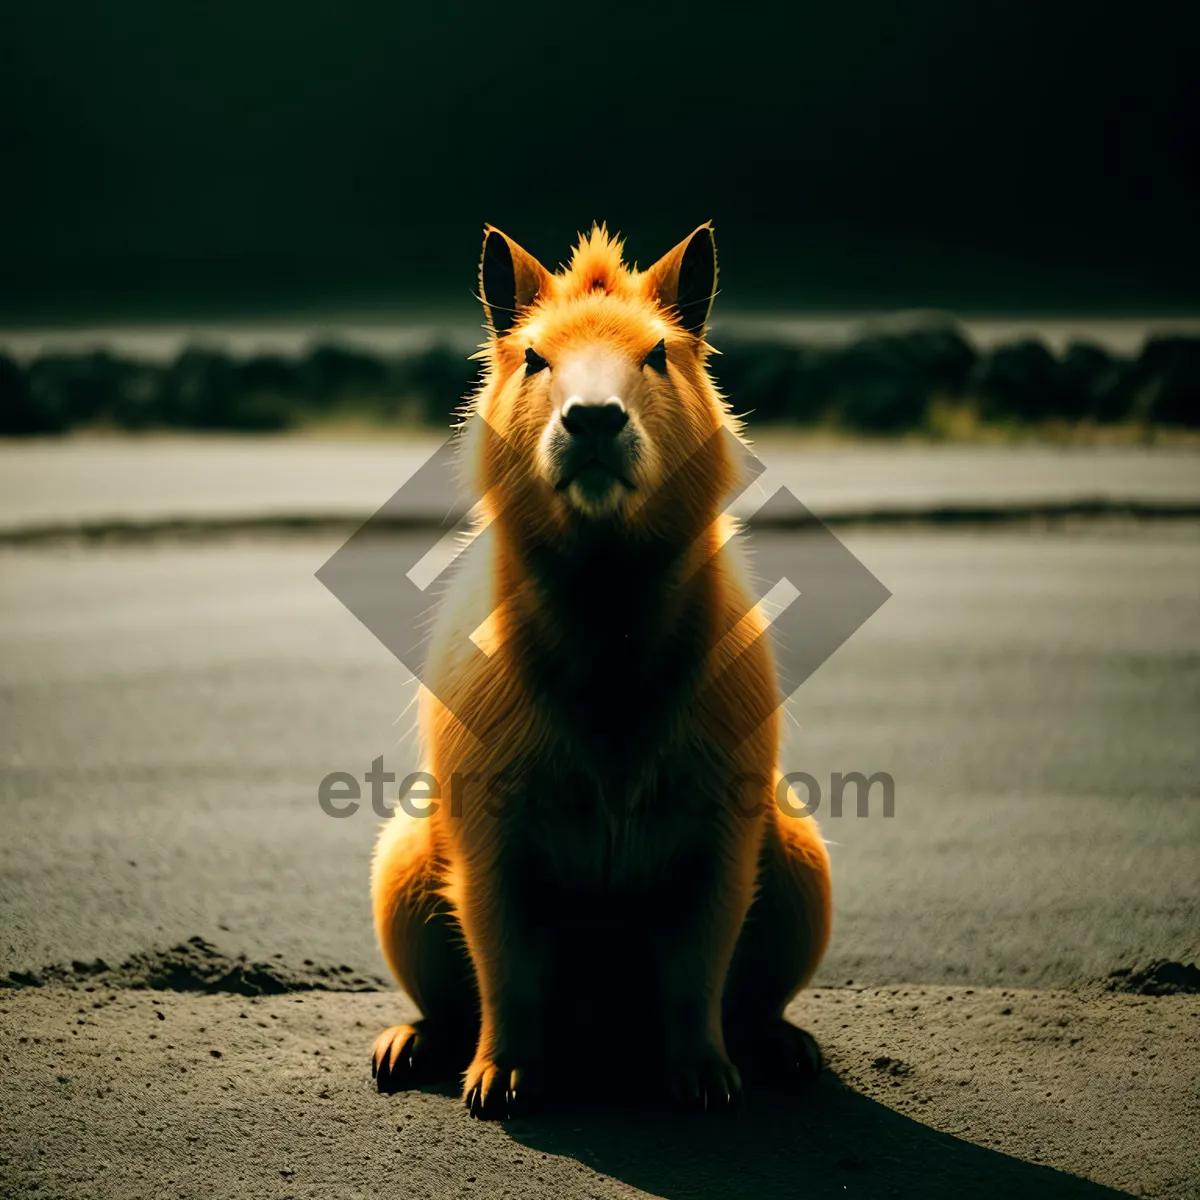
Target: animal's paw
{"x": 408, "y": 1055}
{"x": 780, "y": 1052}
{"x": 705, "y": 1081}
{"x": 502, "y": 1087}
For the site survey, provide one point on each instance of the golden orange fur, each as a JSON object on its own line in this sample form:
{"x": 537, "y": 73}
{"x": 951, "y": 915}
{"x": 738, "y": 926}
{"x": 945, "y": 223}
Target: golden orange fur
{"x": 600, "y": 718}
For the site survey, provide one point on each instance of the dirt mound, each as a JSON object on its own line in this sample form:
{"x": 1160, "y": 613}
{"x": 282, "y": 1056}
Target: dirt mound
{"x": 198, "y": 966}
{"x": 1160, "y": 978}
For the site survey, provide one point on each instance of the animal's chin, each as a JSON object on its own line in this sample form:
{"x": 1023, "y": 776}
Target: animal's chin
{"x": 595, "y": 489}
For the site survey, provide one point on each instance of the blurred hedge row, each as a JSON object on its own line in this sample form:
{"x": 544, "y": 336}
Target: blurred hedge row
{"x": 205, "y": 389}
{"x": 883, "y": 382}
{"x": 889, "y": 382}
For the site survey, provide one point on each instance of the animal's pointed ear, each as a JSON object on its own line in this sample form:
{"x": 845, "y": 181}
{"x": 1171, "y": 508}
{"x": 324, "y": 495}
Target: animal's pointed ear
{"x": 510, "y": 279}
{"x": 685, "y": 279}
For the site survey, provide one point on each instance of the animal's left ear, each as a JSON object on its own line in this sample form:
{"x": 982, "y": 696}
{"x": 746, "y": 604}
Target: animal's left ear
{"x": 510, "y": 279}
{"x": 685, "y": 279}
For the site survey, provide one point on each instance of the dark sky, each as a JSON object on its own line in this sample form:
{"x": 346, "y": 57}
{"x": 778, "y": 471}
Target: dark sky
{"x": 240, "y": 154}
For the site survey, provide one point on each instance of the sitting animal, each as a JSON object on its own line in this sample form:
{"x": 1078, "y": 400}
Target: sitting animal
{"x": 611, "y": 894}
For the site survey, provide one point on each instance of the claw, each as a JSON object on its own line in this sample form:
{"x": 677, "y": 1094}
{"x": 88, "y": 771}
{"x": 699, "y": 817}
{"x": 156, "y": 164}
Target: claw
{"x": 496, "y": 1091}
{"x": 708, "y": 1083}
{"x": 405, "y": 1055}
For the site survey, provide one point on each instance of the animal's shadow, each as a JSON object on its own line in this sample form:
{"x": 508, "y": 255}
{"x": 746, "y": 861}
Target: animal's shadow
{"x": 825, "y": 1141}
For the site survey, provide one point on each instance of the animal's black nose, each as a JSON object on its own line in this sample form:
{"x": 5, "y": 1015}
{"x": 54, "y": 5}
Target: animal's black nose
{"x": 603, "y": 420}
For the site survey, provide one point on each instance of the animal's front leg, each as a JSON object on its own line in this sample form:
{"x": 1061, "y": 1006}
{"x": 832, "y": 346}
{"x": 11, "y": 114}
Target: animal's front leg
{"x": 696, "y": 947}
{"x": 509, "y": 950}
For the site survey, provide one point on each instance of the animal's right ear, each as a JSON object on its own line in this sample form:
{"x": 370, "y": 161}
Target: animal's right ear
{"x": 510, "y": 279}
{"x": 684, "y": 280}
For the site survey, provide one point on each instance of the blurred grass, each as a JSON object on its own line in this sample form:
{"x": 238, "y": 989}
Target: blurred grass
{"x": 928, "y": 381}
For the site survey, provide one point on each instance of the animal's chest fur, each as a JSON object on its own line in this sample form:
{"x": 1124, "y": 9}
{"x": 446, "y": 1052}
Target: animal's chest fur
{"x": 595, "y": 854}
{"x": 616, "y": 799}
{"x": 606, "y": 834}
{"x": 611, "y": 655}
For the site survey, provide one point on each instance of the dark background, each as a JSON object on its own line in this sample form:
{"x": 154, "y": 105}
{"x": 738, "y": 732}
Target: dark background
{"x": 266, "y": 156}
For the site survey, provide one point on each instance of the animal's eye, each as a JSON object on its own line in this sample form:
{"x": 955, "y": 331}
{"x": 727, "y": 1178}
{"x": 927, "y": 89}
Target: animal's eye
{"x": 534, "y": 362}
{"x": 657, "y": 358}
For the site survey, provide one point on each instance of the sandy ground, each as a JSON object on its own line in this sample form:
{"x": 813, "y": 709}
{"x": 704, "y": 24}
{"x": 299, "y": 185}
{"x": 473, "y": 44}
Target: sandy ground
{"x": 111, "y": 1092}
{"x": 167, "y": 711}
{"x": 167, "y": 714}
